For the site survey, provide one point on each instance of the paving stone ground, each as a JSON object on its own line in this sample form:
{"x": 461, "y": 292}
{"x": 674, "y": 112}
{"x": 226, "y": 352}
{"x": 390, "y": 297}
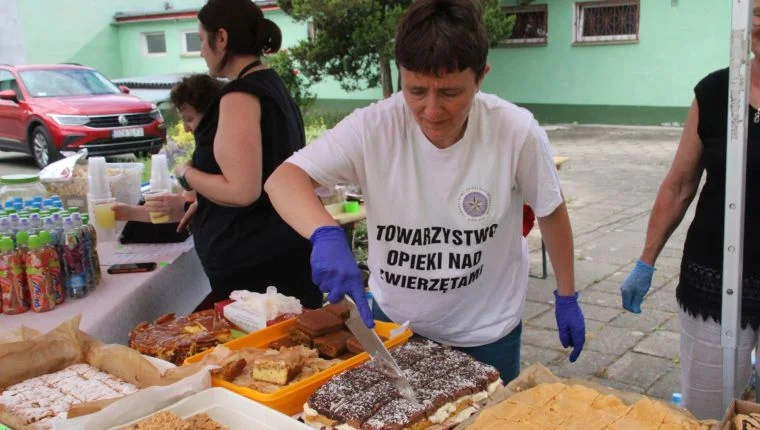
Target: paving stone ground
{"x": 610, "y": 183}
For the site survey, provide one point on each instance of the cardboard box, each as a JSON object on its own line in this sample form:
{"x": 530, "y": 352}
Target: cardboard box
{"x": 737, "y": 407}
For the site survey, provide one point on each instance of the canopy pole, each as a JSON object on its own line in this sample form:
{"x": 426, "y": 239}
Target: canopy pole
{"x": 736, "y": 166}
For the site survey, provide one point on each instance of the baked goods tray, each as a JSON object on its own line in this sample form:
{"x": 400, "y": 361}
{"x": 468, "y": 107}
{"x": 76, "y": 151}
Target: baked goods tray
{"x": 231, "y": 410}
{"x": 291, "y": 398}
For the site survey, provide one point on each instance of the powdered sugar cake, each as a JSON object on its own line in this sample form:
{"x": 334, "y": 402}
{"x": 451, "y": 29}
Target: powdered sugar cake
{"x": 449, "y": 385}
{"x": 40, "y": 402}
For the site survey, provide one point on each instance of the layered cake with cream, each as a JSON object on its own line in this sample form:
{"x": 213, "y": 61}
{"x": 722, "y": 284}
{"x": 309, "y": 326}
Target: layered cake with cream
{"x": 449, "y": 386}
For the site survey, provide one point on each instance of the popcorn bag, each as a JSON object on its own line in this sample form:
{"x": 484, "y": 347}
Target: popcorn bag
{"x": 68, "y": 179}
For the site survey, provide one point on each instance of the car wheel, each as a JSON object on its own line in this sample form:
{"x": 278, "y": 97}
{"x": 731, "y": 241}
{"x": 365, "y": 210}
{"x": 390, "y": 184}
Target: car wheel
{"x": 43, "y": 149}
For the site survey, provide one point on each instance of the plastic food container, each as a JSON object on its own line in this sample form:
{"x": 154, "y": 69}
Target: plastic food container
{"x": 290, "y": 399}
{"x": 21, "y": 185}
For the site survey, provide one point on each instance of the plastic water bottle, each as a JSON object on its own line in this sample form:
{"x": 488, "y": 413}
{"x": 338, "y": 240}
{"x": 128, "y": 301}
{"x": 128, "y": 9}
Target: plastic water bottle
{"x": 35, "y": 223}
{"x": 5, "y": 227}
{"x": 23, "y": 225}
{"x": 677, "y": 399}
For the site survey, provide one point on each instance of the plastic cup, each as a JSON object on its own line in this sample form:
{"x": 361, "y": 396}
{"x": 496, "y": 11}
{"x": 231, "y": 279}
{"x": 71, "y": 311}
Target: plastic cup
{"x": 105, "y": 217}
{"x": 351, "y": 207}
{"x": 156, "y": 217}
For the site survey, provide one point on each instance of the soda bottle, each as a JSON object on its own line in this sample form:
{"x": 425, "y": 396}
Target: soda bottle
{"x": 76, "y": 278}
{"x": 12, "y": 287}
{"x": 86, "y": 251}
{"x": 38, "y": 277}
{"x": 92, "y": 234}
{"x": 54, "y": 266}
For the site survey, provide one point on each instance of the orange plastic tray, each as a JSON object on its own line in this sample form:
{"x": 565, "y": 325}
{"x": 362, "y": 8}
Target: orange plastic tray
{"x": 290, "y": 400}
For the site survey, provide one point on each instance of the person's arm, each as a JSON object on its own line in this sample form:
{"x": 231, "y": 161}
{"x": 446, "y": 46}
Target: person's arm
{"x": 237, "y": 149}
{"x": 557, "y": 235}
{"x": 677, "y": 189}
{"x": 291, "y": 192}
{"x": 125, "y": 212}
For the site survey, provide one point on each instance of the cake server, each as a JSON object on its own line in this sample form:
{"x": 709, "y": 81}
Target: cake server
{"x": 379, "y": 353}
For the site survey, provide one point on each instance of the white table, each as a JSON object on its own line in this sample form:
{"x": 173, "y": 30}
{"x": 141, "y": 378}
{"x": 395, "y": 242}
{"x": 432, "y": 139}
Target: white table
{"x": 122, "y": 301}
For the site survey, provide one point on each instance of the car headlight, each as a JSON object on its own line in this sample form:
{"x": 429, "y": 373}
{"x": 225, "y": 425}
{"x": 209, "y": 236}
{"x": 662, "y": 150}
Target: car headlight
{"x": 156, "y": 114}
{"x": 70, "y": 119}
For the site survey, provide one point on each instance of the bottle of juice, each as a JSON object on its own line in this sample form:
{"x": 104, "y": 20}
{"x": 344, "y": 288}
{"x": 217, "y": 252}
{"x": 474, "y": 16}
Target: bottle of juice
{"x": 85, "y": 250}
{"x": 93, "y": 237}
{"x": 54, "y": 266}
{"x": 76, "y": 278}
{"x": 38, "y": 277}
{"x": 12, "y": 287}
{"x": 35, "y": 223}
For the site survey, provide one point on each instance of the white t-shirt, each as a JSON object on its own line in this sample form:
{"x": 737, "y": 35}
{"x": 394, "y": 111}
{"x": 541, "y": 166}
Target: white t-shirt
{"x": 446, "y": 250}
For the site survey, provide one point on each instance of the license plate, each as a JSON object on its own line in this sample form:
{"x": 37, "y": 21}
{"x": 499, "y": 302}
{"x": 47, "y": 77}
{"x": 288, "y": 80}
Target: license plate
{"x": 128, "y": 132}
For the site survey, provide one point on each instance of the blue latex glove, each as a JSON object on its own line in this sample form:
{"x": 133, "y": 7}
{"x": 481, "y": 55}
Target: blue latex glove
{"x": 636, "y": 285}
{"x": 571, "y": 324}
{"x": 334, "y": 269}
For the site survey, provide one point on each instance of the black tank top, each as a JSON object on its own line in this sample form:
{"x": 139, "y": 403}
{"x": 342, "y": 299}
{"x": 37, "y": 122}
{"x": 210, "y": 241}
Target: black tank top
{"x": 700, "y": 285}
{"x": 229, "y": 239}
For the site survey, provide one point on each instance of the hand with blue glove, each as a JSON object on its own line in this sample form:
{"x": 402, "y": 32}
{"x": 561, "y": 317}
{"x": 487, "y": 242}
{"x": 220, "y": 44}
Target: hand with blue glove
{"x": 636, "y": 285}
{"x": 570, "y": 323}
{"x": 334, "y": 269}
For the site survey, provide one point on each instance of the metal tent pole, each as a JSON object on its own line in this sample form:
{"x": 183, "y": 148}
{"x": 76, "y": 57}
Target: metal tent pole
{"x": 736, "y": 155}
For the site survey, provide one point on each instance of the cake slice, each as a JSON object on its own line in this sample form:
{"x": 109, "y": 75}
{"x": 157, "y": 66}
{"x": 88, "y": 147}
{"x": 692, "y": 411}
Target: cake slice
{"x": 285, "y": 342}
{"x": 300, "y": 337}
{"x": 340, "y": 310}
{"x": 279, "y": 368}
{"x": 318, "y": 323}
{"x": 398, "y": 414}
{"x": 353, "y": 346}
{"x": 332, "y": 345}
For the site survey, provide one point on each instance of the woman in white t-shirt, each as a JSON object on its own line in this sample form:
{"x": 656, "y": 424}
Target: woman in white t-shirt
{"x": 445, "y": 170}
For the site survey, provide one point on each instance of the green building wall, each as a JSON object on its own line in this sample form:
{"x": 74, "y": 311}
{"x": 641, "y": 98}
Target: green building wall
{"x": 647, "y": 82}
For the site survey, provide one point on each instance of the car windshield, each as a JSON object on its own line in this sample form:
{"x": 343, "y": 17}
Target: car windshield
{"x": 66, "y": 82}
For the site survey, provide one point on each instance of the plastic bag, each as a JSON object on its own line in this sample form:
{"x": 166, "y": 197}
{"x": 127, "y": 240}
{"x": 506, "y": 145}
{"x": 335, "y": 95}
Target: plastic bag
{"x": 250, "y": 311}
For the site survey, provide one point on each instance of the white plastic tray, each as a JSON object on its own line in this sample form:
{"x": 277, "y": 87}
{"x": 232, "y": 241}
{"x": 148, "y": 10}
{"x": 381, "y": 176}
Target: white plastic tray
{"x": 232, "y": 410}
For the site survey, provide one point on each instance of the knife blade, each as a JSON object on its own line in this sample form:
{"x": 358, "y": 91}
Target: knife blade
{"x": 379, "y": 353}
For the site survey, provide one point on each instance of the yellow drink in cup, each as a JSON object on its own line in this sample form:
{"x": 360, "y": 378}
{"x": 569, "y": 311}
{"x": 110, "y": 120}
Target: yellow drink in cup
{"x": 156, "y": 217}
{"x": 105, "y": 217}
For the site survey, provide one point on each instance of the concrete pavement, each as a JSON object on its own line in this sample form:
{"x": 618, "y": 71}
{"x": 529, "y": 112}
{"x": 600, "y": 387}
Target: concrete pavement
{"x": 610, "y": 184}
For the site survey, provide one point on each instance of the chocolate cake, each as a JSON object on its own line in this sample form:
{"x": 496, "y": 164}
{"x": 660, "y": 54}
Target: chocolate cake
{"x": 300, "y": 337}
{"x": 318, "y": 323}
{"x": 333, "y": 344}
{"x": 448, "y": 384}
{"x": 338, "y": 309}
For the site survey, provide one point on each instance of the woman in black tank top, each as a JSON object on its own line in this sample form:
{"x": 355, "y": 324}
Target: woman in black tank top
{"x": 249, "y": 130}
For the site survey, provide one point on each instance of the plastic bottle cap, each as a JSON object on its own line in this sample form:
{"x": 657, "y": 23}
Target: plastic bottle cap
{"x": 85, "y": 219}
{"x": 73, "y": 210}
{"x": 45, "y": 237}
{"x": 19, "y": 179}
{"x": 37, "y": 198}
{"x": 22, "y": 238}
{"x": 34, "y": 242}
{"x": 676, "y": 398}
{"x": 6, "y": 244}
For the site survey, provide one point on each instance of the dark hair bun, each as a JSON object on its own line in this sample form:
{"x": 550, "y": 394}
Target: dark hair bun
{"x": 270, "y": 36}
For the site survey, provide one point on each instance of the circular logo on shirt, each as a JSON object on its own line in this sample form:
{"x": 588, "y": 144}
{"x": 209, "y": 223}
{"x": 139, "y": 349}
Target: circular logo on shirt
{"x": 474, "y": 203}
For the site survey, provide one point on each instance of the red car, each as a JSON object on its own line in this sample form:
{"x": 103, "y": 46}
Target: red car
{"x": 46, "y": 109}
